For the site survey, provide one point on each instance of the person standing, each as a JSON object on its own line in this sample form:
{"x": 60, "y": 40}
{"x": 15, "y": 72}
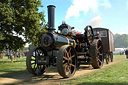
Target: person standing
{"x": 11, "y": 57}
{"x": 126, "y": 53}
{"x": 97, "y": 36}
{"x": 1, "y": 56}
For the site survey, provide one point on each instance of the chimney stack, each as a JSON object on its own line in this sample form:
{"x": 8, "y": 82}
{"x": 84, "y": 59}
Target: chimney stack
{"x": 51, "y": 18}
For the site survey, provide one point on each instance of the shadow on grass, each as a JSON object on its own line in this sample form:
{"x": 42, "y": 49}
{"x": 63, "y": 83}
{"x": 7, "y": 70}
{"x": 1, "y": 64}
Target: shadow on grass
{"x": 24, "y": 76}
{"x": 19, "y": 74}
{"x": 102, "y": 83}
{"x": 27, "y": 78}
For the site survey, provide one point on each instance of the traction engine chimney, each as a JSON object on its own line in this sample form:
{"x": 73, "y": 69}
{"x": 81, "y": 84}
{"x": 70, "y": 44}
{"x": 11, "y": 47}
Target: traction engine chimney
{"x": 51, "y": 18}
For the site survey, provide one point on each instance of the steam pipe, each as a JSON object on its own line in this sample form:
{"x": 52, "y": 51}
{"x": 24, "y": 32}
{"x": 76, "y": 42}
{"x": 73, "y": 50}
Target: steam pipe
{"x": 51, "y": 18}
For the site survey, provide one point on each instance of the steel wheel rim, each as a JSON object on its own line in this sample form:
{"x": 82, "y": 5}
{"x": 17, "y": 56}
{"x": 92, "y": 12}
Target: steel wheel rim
{"x": 89, "y": 34}
{"x": 69, "y": 61}
{"x": 99, "y": 57}
{"x": 36, "y": 68}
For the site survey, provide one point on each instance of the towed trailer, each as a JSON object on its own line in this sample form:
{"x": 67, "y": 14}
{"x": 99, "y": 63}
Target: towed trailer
{"x": 107, "y": 39}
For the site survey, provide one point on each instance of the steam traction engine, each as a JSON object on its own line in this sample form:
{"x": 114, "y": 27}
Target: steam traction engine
{"x": 64, "y": 49}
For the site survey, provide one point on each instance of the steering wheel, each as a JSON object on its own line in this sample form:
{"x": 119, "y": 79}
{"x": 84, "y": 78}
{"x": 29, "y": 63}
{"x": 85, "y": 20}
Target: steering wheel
{"x": 89, "y": 35}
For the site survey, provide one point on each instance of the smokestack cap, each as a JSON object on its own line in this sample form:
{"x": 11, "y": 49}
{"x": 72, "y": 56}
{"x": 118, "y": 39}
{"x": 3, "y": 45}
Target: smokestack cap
{"x": 51, "y": 6}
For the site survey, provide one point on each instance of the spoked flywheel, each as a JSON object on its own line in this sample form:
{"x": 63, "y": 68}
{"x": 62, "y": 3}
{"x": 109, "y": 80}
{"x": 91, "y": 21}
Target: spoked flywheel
{"x": 96, "y": 52}
{"x": 31, "y": 61}
{"x": 66, "y": 61}
{"x": 89, "y": 34}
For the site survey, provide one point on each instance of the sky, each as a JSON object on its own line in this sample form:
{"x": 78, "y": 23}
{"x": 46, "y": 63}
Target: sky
{"x": 110, "y": 14}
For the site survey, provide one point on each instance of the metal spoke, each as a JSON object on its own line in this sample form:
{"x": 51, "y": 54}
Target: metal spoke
{"x": 65, "y": 58}
{"x": 65, "y": 64}
{"x": 35, "y": 68}
{"x": 72, "y": 65}
{"x": 69, "y": 50}
{"x": 69, "y": 69}
{"x": 38, "y": 67}
{"x": 99, "y": 60}
{"x": 67, "y": 53}
{"x": 72, "y": 56}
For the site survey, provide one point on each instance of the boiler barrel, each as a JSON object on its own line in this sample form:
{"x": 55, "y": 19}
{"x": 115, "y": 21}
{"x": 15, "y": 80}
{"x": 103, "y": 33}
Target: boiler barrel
{"x": 52, "y": 41}
{"x": 63, "y": 40}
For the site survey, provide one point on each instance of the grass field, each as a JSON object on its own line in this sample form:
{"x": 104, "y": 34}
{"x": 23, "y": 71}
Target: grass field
{"x": 10, "y": 70}
{"x": 116, "y": 74}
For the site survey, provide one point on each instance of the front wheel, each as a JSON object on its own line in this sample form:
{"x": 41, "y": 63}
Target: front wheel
{"x": 31, "y": 61}
{"x": 66, "y": 61}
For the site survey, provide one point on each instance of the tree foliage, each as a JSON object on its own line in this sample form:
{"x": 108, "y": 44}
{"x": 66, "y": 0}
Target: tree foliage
{"x": 20, "y": 17}
{"x": 121, "y": 41}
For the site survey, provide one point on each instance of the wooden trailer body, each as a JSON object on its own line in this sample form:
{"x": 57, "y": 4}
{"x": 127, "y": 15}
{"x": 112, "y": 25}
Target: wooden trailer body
{"x": 107, "y": 38}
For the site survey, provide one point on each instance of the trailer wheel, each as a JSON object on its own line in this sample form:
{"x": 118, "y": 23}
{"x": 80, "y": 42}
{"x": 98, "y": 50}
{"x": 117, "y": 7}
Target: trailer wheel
{"x": 111, "y": 57}
{"x": 107, "y": 56}
{"x": 96, "y": 52}
{"x": 31, "y": 64}
{"x": 66, "y": 61}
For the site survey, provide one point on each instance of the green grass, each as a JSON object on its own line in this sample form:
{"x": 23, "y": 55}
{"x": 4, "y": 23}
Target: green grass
{"x": 10, "y": 70}
{"x": 5, "y": 59}
{"x": 117, "y": 74}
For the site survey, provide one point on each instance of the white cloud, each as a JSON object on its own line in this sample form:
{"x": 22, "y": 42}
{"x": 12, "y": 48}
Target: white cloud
{"x": 77, "y": 20}
{"x": 106, "y": 4}
{"x": 96, "y": 21}
{"x": 84, "y": 6}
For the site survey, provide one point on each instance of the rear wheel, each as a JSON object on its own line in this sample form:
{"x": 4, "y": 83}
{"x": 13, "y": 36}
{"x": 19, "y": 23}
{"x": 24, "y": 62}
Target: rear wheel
{"x": 96, "y": 52}
{"x": 32, "y": 66}
{"x": 66, "y": 61}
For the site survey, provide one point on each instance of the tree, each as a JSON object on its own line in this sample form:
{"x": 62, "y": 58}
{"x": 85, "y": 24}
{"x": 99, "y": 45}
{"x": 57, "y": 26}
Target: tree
{"x": 20, "y": 17}
{"x": 121, "y": 41}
